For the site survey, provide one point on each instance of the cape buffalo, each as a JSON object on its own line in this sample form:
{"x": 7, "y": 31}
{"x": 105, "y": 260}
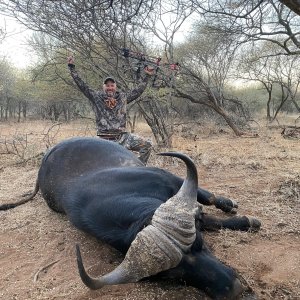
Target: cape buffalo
{"x": 147, "y": 213}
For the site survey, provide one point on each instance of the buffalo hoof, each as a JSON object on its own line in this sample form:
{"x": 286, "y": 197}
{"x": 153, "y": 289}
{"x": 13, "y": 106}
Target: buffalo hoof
{"x": 248, "y": 296}
{"x": 226, "y": 205}
{"x": 254, "y": 224}
{"x": 248, "y": 293}
{"x": 236, "y": 292}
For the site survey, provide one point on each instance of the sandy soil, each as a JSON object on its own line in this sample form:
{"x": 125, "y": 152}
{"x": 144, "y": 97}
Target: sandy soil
{"x": 37, "y": 257}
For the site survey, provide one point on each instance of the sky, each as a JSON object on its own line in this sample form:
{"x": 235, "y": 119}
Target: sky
{"x": 14, "y": 46}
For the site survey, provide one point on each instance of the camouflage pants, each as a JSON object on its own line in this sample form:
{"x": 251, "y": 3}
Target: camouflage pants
{"x": 135, "y": 143}
{"x": 131, "y": 142}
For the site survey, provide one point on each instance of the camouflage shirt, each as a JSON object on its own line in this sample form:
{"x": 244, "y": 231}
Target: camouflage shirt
{"x": 110, "y": 112}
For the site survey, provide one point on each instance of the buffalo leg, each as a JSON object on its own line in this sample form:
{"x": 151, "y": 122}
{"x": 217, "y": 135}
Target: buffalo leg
{"x": 207, "y": 198}
{"x": 206, "y": 222}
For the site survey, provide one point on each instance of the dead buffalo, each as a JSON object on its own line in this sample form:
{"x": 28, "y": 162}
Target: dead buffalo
{"x": 147, "y": 213}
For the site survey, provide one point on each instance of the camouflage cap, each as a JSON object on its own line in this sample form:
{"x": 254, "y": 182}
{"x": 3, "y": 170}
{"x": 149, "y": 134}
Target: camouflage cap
{"x": 109, "y": 79}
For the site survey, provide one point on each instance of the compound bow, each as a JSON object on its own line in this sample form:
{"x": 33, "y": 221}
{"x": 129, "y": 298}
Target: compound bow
{"x": 164, "y": 72}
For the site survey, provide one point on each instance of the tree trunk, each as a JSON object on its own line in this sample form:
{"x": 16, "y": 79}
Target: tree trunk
{"x": 269, "y": 105}
{"x": 65, "y": 112}
{"x": 155, "y": 118}
{"x": 228, "y": 120}
{"x": 24, "y": 110}
{"x": 19, "y": 111}
{"x": 6, "y": 109}
{"x": 211, "y": 103}
{"x": 284, "y": 98}
{"x": 132, "y": 123}
{"x": 296, "y": 105}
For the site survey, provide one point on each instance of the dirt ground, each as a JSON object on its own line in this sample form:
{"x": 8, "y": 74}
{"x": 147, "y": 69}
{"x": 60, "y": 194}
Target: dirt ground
{"x": 37, "y": 257}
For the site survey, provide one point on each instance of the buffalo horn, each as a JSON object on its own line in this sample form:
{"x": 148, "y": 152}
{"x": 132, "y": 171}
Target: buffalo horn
{"x": 161, "y": 245}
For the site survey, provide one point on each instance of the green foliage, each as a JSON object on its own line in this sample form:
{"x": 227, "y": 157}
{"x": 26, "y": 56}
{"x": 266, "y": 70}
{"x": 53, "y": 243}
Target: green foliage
{"x": 253, "y": 96}
{"x": 7, "y": 78}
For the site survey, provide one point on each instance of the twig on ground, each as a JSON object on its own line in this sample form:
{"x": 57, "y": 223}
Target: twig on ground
{"x": 47, "y": 135}
{"x": 12, "y": 146}
{"x": 36, "y": 275}
{"x": 28, "y": 159}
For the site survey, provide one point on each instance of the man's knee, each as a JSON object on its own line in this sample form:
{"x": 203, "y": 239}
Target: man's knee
{"x": 136, "y": 143}
{"x": 145, "y": 151}
{"x": 148, "y": 145}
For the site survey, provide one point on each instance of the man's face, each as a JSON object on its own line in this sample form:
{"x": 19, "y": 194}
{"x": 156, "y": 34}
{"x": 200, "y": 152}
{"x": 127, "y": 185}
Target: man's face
{"x": 110, "y": 88}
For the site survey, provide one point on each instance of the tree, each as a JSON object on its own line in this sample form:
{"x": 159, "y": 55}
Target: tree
{"x": 96, "y": 44}
{"x": 164, "y": 23}
{"x": 269, "y": 21}
{"x": 23, "y": 94}
{"x": 55, "y": 95}
{"x": 94, "y": 30}
{"x": 207, "y": 58}
{"x": 279, "y": 76}
{"x": 7, "y": 82}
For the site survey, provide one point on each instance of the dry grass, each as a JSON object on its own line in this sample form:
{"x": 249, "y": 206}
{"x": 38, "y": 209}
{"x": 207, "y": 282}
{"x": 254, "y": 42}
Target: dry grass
{"x": 262, "y": 174}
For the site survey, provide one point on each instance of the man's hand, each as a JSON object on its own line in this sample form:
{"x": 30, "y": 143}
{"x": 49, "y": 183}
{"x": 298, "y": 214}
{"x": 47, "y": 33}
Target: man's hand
{"x": 71, "y": 64}
{"x": 70, "y": 60}
{"x": 149, "y": 70}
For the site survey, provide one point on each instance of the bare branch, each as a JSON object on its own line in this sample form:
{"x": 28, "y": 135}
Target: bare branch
{"x": 294, "y": 5}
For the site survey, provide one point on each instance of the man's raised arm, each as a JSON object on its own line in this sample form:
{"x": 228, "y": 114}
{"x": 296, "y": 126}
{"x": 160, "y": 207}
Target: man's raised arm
{"x": 85, "y": 89}
{"x": 138, "y": 91}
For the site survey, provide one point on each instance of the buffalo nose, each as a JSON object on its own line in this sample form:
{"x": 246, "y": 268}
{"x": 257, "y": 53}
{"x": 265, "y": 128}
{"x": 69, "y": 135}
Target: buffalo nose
{"x": 237, "y": 290}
